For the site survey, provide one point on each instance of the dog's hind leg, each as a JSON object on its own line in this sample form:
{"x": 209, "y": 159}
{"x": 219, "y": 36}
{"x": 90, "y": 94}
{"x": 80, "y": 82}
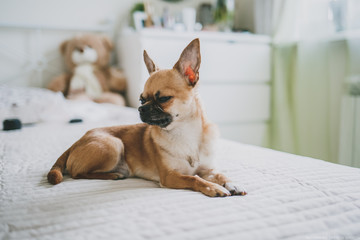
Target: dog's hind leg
{"x": 98, "y": 156}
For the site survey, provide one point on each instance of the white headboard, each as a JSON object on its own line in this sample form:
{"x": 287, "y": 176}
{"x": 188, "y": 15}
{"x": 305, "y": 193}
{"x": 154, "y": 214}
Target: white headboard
{"x": 29, "y": 54}
{"x": 31, "y": 32}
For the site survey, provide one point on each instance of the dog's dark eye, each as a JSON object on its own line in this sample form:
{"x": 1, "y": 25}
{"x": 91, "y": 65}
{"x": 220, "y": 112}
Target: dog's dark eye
{"x": 164, "y": 99}
{"x": 142, "y": 100}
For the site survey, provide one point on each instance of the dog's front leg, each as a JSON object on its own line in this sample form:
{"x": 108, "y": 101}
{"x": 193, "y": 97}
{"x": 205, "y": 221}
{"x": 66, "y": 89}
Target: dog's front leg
{"x": 211, "y": 176}
{"x": 173, "y": 179}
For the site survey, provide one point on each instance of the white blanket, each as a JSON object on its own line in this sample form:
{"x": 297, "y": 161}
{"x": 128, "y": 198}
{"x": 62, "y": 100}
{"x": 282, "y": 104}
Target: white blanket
{"x": 289, "y": 197}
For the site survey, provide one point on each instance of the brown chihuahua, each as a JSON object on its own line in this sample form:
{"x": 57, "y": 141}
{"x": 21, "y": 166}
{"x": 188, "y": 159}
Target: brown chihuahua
{"x": 173, "y": 146}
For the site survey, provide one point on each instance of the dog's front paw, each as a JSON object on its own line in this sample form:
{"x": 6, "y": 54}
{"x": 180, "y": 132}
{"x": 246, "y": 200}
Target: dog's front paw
{"x": 234, "y": 190}
{"x": 215, "y": 190}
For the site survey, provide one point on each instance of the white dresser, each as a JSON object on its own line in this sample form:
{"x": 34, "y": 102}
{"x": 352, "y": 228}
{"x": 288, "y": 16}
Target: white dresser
{"x": 234, "y": 75}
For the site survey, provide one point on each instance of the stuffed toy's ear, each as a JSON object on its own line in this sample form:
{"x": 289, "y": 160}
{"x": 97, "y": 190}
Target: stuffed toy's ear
{"x": 150, "y": 65}
{"x": 107, "y": 42}
{"x": 63, "y": 46}
{"x": 189, "y": 62}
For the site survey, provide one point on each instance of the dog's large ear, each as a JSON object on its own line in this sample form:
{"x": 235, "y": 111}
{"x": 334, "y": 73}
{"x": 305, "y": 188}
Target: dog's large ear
{"x": 150, "y": 65}
{"x": 189, "y": 62}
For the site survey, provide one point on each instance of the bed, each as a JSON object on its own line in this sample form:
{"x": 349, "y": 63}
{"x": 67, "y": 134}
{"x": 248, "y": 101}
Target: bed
{"x": 289, "y": 196}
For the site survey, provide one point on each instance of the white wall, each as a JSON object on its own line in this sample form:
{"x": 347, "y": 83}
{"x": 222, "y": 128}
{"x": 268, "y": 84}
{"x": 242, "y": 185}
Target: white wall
{"x": 29, "y": 54}
{"x": 64, "y": 13}
{"x": 31, "y": 31}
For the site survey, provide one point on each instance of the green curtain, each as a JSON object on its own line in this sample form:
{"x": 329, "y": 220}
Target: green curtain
{"x": 307, "y": 87}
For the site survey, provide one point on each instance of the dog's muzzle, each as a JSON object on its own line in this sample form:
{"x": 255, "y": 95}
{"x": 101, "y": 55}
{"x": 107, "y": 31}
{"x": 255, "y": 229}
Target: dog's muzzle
{"x": 154, "y": 115}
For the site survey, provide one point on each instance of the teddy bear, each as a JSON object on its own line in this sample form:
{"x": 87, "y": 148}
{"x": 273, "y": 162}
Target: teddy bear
{"x": 90, "y": 77}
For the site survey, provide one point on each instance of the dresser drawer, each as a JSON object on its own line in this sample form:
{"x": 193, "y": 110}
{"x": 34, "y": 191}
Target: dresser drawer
{"x": 229, "y": 103}
{"x": 220, "y": 61}
{"x": 235, "y": 62}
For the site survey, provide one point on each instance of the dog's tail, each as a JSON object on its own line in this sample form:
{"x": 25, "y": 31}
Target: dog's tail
{"x": 55, "y": 175}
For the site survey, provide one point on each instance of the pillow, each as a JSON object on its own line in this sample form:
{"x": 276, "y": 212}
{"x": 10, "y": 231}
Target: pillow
{"x": 30, "y": 104}
{"x": 34, "y": 105}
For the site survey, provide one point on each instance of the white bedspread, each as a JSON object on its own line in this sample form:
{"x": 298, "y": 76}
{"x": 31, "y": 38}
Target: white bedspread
{"x": 289, "y": 197}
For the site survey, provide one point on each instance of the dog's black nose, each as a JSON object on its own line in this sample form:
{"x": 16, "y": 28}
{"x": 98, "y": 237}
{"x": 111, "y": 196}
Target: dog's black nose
{"x": 142, "y": 109}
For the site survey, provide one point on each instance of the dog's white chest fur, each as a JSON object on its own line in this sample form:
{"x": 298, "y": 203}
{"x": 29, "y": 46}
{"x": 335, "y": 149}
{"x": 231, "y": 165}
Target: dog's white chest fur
{"x": 84, "y": 78}
{"x": 183, "y": 148}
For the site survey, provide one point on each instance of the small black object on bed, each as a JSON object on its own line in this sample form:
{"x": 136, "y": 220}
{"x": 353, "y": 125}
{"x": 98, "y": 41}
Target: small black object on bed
{"x": 76, "y": 120}
{"x": 11, "y": 124}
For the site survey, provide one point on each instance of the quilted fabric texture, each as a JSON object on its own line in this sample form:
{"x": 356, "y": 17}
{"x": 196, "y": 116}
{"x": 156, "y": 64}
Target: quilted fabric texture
{"x": 289, "y": 197}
